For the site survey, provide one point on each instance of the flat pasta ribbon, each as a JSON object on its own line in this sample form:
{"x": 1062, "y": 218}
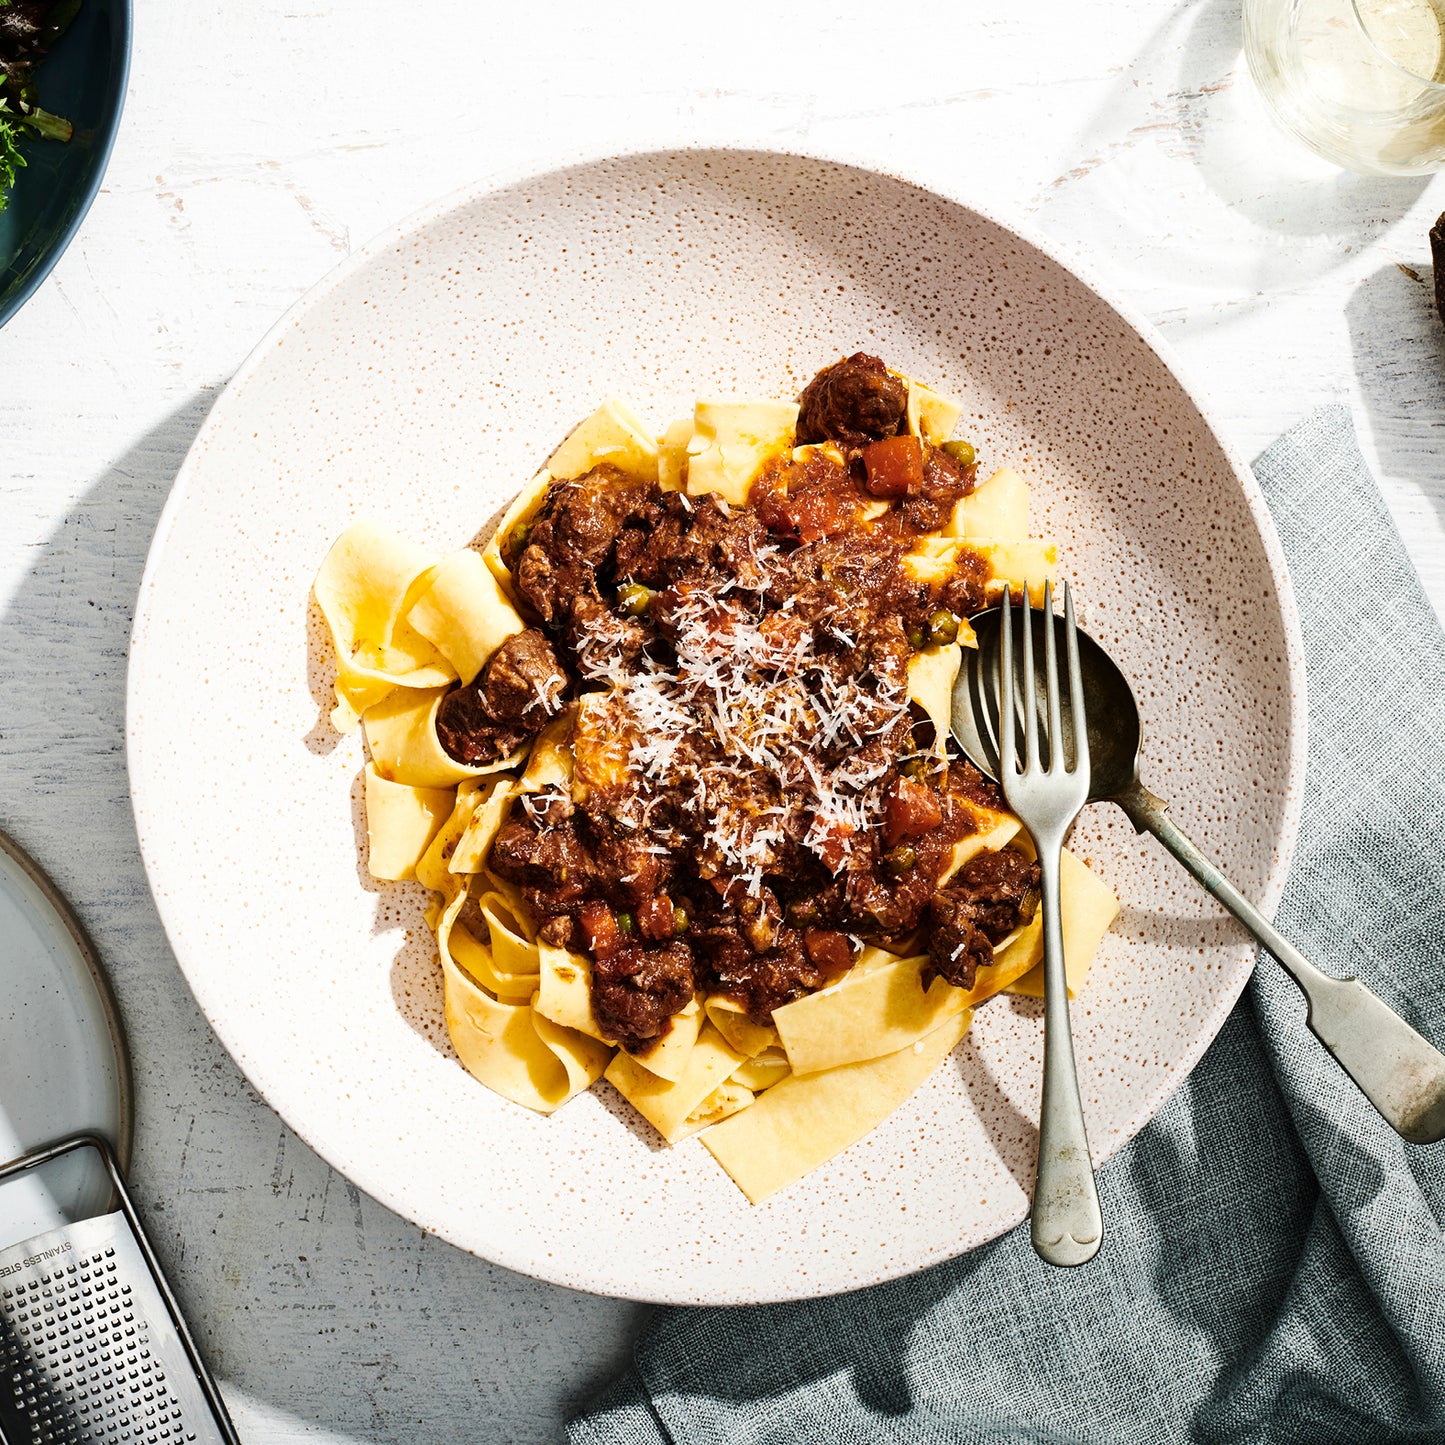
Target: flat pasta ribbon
{"x": 401, "y": 822}
{"x": 470, "y": 853}
{"x": 931, "y": 674}
{"x": 564, "y": 997}
{"x": 612, "y": 436}
{"x": 1087, "y": 906}
{"x": 803, "y": 1122}
{"x": 401, "y": 734}
{"x": 433, "y": 868}
{"x": 366, "y": 585}
{"x": 527, "y": 504}
{"x": 505, "y": 964}
{"x": 507, "y": 1046}
{"x": 680, "y": 1107}
{"x": 731, "y": 1020}
{"x": 884, "y": 1008}
{"x": 463, "y": 613}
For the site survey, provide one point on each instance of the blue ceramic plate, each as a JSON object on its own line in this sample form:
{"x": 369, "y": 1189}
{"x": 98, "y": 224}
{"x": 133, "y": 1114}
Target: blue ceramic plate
{"x": 83, "y": 79}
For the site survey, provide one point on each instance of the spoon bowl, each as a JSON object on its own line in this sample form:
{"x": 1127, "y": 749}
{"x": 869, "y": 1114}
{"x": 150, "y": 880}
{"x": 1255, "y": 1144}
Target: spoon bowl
{"x": 1114, "y": 727}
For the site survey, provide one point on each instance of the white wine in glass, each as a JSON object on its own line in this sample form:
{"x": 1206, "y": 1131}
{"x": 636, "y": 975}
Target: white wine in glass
{"x": 1360, "y": 81}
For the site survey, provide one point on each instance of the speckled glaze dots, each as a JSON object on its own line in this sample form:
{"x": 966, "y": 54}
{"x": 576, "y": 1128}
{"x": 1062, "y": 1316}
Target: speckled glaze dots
{"x": 424, "y": 383}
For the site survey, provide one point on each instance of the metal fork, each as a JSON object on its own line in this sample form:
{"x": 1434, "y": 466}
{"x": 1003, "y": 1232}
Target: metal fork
{"x": 1065, "y": 1223}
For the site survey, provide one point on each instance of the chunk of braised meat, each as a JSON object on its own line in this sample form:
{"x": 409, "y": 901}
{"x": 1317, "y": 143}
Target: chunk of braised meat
{"x": 552, "y": 866}
{"x": 559, "y": 931}
{"x": 945, "y": 480}
{"x": 742, "y": 800}
{"x": 629, "y": 868}
{"x": 697, "y": 541}
{"x": 812, "y": 896}
{"x": 635, "y": 989}
{"x": 509, "y": 701}
{"x": 1004, "y": 889}
{"x": 888, "y": 886}
{"x": 636, "y": 992}
{"x": 888, "y": 902}
{"x": 965, "y": 591}
{"x": 965, "y": 781}
{"x": 853, "y": 402}
{"x": 991, "y": 896}
{"x": 813, "y": 495}
{"x": 598, "y": 632}
{"x": 886, "y": 654}
{"x": 760, "y": 917}
{"x": 798, "y": 963}
{"x": 809, "y": 497}
{"x": 957, "y": 947}
{"x": 574, "y": 538}
{"x": 842, "y": 583}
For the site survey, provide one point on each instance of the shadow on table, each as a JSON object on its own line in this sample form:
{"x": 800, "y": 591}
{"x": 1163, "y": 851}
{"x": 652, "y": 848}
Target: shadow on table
{"x": 316, "y": 1307}
{"x": 1399, "y": 350}
{"x": 943, "y": 1347}
{"x": 1253, "y": 212}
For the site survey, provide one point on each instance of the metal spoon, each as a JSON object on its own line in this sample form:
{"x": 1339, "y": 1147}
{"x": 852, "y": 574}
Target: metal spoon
{"x": 1401, "y": 1073}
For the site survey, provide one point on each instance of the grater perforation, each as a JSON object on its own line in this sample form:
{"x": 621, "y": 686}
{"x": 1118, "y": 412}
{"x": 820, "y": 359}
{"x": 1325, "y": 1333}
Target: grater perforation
{"x": 93, "y": 1348}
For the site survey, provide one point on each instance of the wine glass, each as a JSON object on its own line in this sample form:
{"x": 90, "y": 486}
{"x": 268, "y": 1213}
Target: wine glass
{"x": 1362, "y": 82}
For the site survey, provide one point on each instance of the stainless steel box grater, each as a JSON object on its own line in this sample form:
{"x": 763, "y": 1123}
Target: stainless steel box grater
{"x": 93, "y": 1349}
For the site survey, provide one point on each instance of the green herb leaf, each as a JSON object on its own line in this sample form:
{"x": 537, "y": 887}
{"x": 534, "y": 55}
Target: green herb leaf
{"x": 10, "y": 159}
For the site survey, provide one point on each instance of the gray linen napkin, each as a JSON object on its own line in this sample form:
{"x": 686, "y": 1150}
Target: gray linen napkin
{"x": 1276, "y": 1267}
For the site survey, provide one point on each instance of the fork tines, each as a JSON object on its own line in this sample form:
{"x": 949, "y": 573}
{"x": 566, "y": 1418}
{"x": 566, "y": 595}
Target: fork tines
{"x": 1058, "y": 745}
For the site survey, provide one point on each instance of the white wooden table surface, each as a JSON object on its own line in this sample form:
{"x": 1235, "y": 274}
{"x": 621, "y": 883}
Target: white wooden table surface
{"x": 262, "y": 141}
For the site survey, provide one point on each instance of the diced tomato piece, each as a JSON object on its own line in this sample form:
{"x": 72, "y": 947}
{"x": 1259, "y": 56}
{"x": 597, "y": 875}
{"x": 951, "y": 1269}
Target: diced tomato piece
{"x": 831, "y": 845}
{"x": 656, "y": 919}
{"x": 909, "y": 810}
{"x": 768, "y": 496}
{"x": 828, "y": 950}
{"x": 599, "y": 929}
{"x": 821, "y": 512}
{"x": 894, "y": 467}
{"x": 810, "y": 514}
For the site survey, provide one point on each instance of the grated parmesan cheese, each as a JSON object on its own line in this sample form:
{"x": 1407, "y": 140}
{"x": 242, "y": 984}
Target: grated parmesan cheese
{"x": 749, "y": 707}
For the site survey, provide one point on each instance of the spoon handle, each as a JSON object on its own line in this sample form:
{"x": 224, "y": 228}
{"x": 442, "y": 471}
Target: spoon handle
{"x": 1399, "y": 1072}
{"x": 1065, "y": 1224}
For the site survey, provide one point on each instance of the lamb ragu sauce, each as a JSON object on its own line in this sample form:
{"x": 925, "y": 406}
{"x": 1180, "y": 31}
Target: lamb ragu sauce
{"x": 754, "y": 797}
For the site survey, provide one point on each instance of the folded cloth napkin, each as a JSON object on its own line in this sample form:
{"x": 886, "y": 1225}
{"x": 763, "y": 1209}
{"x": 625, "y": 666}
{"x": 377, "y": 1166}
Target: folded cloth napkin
{"x": 1275, "y": 1267}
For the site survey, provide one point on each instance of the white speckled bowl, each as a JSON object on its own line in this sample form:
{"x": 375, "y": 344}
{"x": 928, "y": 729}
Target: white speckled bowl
{"x": 424, "y": 381}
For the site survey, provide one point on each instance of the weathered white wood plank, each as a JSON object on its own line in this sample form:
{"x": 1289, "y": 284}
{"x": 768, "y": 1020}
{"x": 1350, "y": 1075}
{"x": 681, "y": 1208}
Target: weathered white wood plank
{"x": 263, "y": 142}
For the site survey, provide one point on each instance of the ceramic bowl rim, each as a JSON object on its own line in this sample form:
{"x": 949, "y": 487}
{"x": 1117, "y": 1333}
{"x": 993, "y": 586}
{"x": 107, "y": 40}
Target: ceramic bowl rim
{"x": 511, "y": 1254}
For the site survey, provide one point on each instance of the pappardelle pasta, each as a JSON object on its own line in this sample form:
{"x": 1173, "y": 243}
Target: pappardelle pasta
{"x": 670, "y": 752}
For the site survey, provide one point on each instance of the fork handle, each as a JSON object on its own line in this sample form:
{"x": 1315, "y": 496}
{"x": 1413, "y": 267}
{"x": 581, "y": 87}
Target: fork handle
{"x": 1065, "y": 1223}
{"x": 1398, "y": 1071}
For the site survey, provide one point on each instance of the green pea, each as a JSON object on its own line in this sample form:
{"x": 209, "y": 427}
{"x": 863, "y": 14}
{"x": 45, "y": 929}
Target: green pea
{"x": 915, "y": 638}
{"x": 679, "y": 920}
{"x": 633, "y": 598}
{"x": 517, "y": 541}
{"x": 624, "y": 923}
{"x": 900, "y": 859}
{"x": 962, "y": 452}
{"x": 943, "y": 626}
